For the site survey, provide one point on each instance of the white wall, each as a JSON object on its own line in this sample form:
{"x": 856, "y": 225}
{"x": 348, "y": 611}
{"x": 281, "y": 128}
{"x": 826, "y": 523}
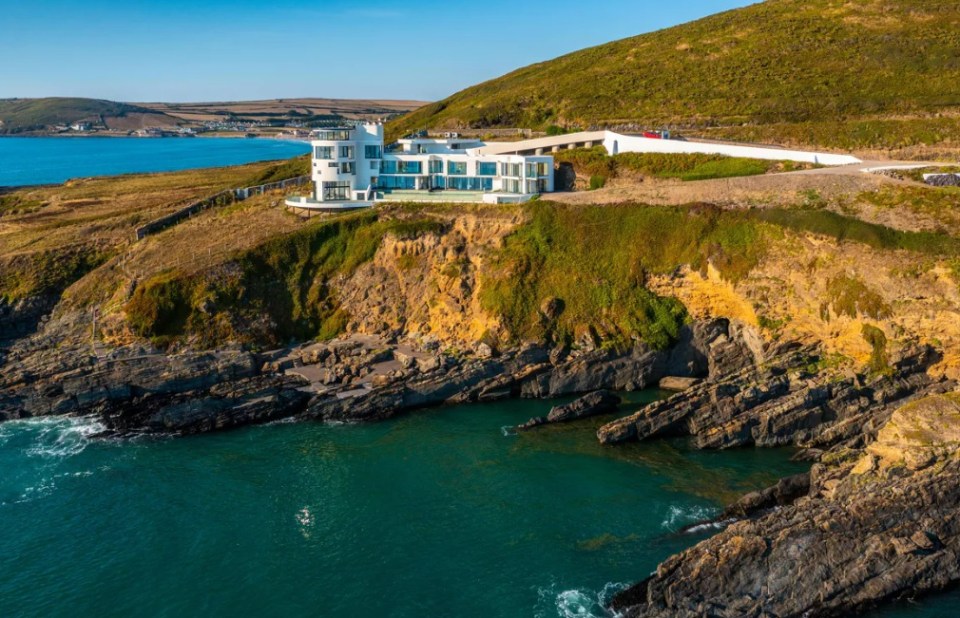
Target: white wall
{"x": 616, "y": 143}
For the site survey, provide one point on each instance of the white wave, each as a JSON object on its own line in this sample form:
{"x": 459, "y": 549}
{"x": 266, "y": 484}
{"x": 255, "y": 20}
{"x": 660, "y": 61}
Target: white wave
{"x": 578, "y": 602}
{"x": 508, "y": 431}
{"x": 680, "y": 516}
{"x": 710, "y": 525}
{"x": 51, "y": 437}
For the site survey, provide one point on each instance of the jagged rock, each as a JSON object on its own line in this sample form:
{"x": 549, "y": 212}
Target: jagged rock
{"x": 600, "y": 402}
{"x": 780, "y": 404}
{"x": 856, "y": 539}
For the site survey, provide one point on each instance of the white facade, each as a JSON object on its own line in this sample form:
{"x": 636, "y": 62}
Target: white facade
{"x": 351, "y": 164}
{"x": 616, "y": 143}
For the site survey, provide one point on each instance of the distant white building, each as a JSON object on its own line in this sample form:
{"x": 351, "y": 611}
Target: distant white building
{"x": 351, "y": 168}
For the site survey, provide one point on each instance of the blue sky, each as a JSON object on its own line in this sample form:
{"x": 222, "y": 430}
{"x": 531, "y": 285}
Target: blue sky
{"x": 180, "y": 50}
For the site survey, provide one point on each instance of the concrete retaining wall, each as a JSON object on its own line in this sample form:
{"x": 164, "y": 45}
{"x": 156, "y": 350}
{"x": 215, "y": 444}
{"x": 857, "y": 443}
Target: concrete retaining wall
{"x": 616, "y": 143}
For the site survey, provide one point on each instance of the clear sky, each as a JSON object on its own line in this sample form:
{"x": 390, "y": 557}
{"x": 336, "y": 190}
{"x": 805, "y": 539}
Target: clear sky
{"x": 205, "y": 50}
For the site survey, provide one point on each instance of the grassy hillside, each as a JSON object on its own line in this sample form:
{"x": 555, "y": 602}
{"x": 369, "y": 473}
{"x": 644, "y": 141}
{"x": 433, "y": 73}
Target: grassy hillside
{"x": 879, "y": 72}
{"x": 35, "y": 114}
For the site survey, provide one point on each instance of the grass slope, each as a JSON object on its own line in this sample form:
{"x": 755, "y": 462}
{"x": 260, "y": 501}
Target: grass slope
{"x": 875, "y": 71}
{"x": 34, "y": 114}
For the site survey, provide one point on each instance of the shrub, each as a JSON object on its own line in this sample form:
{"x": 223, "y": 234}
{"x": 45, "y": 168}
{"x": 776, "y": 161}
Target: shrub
{"x": 597, "y": 182}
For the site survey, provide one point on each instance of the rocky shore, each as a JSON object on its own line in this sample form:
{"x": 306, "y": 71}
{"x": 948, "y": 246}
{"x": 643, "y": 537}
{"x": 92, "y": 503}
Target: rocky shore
{"x": 139, "y": 389}
{"x": 877, "y": 517}
{"x": 875, "y": 524}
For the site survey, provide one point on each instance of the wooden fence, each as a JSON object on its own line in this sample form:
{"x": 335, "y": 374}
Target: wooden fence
{"x": 224, "y": 198}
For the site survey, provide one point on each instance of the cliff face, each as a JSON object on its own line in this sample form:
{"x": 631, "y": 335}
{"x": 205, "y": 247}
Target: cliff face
{"x": 429, "y": 286}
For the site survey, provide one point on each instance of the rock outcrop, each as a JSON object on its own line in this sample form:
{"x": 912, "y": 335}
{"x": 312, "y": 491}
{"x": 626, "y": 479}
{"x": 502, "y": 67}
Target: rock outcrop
{"x": 874, "y": 526}
{"x": 788, "y": 400}
{"x": 594, "y": 404}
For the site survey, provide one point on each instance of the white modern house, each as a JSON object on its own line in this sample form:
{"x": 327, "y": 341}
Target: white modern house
{"x": 351, "y": 168}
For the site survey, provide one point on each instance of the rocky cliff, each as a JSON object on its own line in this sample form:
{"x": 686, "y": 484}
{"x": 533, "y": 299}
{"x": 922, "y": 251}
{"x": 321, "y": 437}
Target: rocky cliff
{"x": 877, "y": 523}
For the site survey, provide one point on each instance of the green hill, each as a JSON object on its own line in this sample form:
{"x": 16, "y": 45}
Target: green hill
{"x": 847, "y": 73}
{"x": 19, "y": 115}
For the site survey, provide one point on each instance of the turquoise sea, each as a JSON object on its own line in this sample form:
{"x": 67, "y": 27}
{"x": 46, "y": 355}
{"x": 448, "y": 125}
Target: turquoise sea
{"x": 440, "y": 513}
{"x": 43, "y": 160}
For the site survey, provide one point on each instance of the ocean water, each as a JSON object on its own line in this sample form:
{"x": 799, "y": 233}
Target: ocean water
{"x": 43, "y": 160}
{"x": 441, "y": 513}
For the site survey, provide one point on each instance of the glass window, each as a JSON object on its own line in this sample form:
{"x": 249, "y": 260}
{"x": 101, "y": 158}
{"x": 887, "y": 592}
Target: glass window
{"x": 375, "y": 166}
{"x": 373, "y": 152}
{"x": 486, "y": 169}
{"x": 543, "y": 170}
{"x": 531, "y": 170}
{"x": 323, "y": 152}
{"x": 436, "y": 166}
{"x": 470, "y": 184}
{"x": 409, "y": 167}
{"x": 334, "y": 135}
{"x": 336, "y": 191}
{"x": 510, "y": 169}
{"x": 348, "y": 168}
{"x": 388, "y": 166}
{"x": 346, "y": 152}
{"x": 511, "y": 186}
{"x": 457, "y": 168}
{"x": 397, "y": 182}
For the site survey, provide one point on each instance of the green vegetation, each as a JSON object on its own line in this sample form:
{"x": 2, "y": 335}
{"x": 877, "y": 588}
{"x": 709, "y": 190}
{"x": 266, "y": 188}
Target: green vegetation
{"x": 277, "y": 291}
{"x": 20, "y": 115}
{"x": 596, "y": 163}
{"x": 942, "y": 205}
{"x": 852, "y": 297}
{"x": 878, "y": 364}
{"x": 840, "y": 227}
{"x": 596, "y": 260}
{"x": 46, "y": 272}
{"x": 826, "y": 75}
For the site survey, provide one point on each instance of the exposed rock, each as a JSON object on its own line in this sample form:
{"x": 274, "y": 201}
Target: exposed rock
{"x": 551, "y": 308}
{"x": 781, "y": 403}
{"x": 600, "y": 402}
{"x": 853, "y": 541}
{"x": 596, "y": 403}
{"x": 675, "y": 383}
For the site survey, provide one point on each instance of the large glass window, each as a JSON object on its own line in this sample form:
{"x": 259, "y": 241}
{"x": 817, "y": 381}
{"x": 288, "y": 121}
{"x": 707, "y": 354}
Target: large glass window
{"x": 334, "y": 135}
{"x": 397, "y": 182}
{"x": 346, "y": 152}
{"x": 510, "y": 169}
{"x": 409, "y": 167}
{"x": 511, "y": 186}
{"x": 486, "y": 169}
{"x": 348, "y": 168}
{"x": 531, "y": 170}
{"x": 543, "y": 169}
{"x": 388, "y": 166}
{"x": 375, "y": 166}
{"x": 457, "y": 168}
{"x": 436, "y": 166}
{"x": 323, "y": 152}
{"x": 470, "y": 184}
{"x": 373, "y": 152}
{"x": 336, "y": 191}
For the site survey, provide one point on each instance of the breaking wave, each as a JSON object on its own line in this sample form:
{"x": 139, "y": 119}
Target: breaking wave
{"x": 576, "y": 603}
{"x": 679, "y": 517}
